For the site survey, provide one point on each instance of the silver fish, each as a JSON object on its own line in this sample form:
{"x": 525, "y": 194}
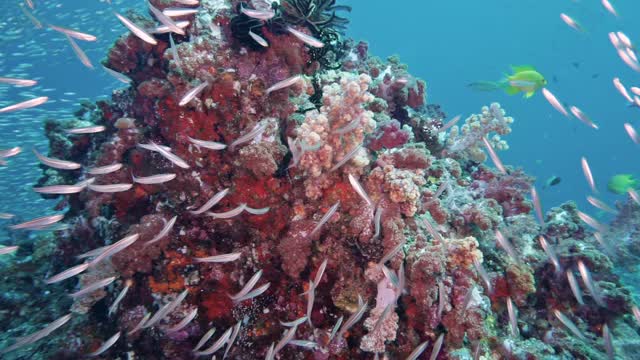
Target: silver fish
{"x": 114, "y": 307}
{"x": 136, "y": 30}
{"x": 320, "y": 272}
{"x": 60, "y": 189}
{"x": 228, "y": 214}
{"x": 360, "y": 190}
{"x": 255, "y": 132}
{"x": 170, "y": 156}
{"x": 120, "y": 77}
{"x": 163, "y": 29}
{"x": 86, "y": 130}
{"x": 57, "y": 163}
{"x": 73, "y": 33}
{"x": 254, "y": 293}
{"x": 93, "y": 287}
{"x": 436, "y": 347}
{"x": 608, "y": 341}
{"x": 263, "y": 15}
{"x": 350, "y": 155}
{"x": 569, "y": 324}
{"x": 38, "y": 223}
{"x": 177, "y": 12}
{"x": 253, "y": 211}
{"x": 84, "y": 59}
{"x": 211, "y": 202}
{"x": 483, "y": 275}
{"x": 103, "y": 170}
{"x": 211, "y": 145}
{"x": 311, "y": 298}
{"x": 224, "y": 258}
{"x": 25, "y": 104}
{"x": 71, "y": 272}
{"x": 184, "y": 322}
{"x": 550, "y": 253}
{"x": 295, "y": 322}
{"x": 307, "y": 39}
{"x": 105, "y": 346}
{"x": 286, "y": 338}
{"x": 10, "y": 152}
{"x": 327, "y": 216}
{"x": 575, "y": 288}
{"x": 248, "y": 286}
{"x": 139, "y": 325}
{"x": 110, "y": 188}
{"x": 30, "y": 339}
{"x": 164, "y": 232}
{"x": 513, "y": 317}
{"x": 4, "y": 250}
{"x": 259, "y": 39}
{"x": 166, "y": 310}
{"x": 17, "y": 82}
{"x": 494, "y": 157}
{"x": 232, "y": 339}
{"x": 154, "y": 179}
{"x": 204, "y": 339}
{"x": 506, "y": 246}
{"x": 165, "y": 20}
{"x": 588, "y": 281}
{"x": 353, "y": 319}
{"x": 115, "y": 248}
{"x": 218, "y": 344}
{"x": 418, "y": 351}
{"x": 284, "y": 84}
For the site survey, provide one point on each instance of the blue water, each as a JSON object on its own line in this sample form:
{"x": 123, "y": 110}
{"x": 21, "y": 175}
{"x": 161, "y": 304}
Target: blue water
{"x": 455, "y": 42}
{"x": 447, "y": 43}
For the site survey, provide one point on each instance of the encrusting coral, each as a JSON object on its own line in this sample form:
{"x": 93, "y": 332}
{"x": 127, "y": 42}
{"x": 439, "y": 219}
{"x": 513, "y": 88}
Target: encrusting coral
{"x": 324, "y": 197}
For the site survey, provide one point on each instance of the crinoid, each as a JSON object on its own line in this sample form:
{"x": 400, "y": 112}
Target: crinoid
{"x": 317, "y": 15}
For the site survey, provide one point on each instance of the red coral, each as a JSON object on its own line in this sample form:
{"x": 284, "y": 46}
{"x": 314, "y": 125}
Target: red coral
{"x": 389, "y": 135}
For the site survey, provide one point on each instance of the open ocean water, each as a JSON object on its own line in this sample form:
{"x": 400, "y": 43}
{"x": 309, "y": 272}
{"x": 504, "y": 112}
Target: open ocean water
{"x": 449, "y": 44}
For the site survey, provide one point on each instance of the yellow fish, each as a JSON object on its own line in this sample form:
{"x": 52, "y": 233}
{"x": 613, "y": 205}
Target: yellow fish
{"x": 619, "y": 184}
{"x": 524, "y": 79}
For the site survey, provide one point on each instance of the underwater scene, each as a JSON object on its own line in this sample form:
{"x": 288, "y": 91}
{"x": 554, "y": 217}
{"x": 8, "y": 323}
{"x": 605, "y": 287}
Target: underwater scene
{"x": 320, "y": 179}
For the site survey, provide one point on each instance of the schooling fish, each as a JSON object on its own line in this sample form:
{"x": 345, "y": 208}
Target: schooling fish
{"x": 524, "y": 79}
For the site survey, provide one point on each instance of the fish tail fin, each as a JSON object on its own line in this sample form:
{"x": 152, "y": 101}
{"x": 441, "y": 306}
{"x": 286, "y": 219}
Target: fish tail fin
{"x": 487, "y": 85}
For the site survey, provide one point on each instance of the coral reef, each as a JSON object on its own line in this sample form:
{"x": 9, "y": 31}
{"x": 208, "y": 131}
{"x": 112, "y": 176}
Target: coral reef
{"x": 300, "y": 190}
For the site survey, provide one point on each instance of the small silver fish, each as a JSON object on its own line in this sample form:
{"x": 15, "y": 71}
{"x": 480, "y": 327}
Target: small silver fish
{"x": 121, "y": 295}
{"x": 211, "y": 202}
{"x": 418, "y": 351}
{"x": 224, "y": 258}
{"x": 71, "y": 272}
{"x": 307, "y": 39}
{"x": 103, "y": 170}
{"x": 38, "y": 223}
{"x": 4, "y": 250}
{"x": 25, "y": 104}
{"x": 177, "y": 12}
{"x": 154, "y": 179}
{"x": 184, "y": 322}
{"x": 17, "y": 82}
{"x": 360, "y": 190}
{"x": 115, "y": 248}
{"x": 86, "y": 130}
{"x": 327, "y": 216}
{"x": 82, "y": 56}
{"x": 284, "y": 84}
{"x": 57, "y": 163}
{"x": 136, "y": 30}
{"x": 73, "y": 33}
{"x": 105, "y": 346}
{"x": 165, "y": 20}
{"x": 166, "y": 310}
{"x": 93, "y": 287}
{"x": 211, "y": 145}
{"x": 60, "y": 189}
{"x": 248, "y": 286}
{"x": 259, "y": 39}
{"x": 110, "y": 188}
{"x": 228, "y": 214}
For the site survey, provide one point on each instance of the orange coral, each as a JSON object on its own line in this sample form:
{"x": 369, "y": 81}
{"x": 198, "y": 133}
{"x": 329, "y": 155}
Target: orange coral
{"x": 173, "y": 280}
